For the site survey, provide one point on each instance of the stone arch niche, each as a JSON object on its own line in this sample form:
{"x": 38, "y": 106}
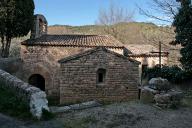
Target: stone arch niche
{"x": 37, "y": 72}
{"x": 38, "y": 81}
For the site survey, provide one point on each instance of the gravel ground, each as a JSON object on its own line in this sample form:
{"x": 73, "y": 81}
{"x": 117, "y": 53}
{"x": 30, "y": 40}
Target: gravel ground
{"x": 121, "y": 115}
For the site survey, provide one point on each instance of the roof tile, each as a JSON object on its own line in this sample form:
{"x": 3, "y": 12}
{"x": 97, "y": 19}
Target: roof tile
{"x": 75, "y": 41}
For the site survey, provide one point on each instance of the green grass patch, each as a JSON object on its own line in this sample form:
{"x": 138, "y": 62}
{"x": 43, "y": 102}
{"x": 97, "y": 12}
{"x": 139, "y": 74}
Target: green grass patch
{"x": 11, "y": 105}
{"x": 187, "y": 102}
{"x": 80, "y": 123}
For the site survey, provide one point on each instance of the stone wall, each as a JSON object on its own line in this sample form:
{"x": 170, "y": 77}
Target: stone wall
{"x": 79, "y": 78}
{"x": 10, "y": 65}
{"x": 35, "y": 98}
{"x": 43, "y": 60}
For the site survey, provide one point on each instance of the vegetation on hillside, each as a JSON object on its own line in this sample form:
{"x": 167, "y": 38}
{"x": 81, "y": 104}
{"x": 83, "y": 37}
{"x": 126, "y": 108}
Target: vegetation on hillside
{"x": 129, "y": 33}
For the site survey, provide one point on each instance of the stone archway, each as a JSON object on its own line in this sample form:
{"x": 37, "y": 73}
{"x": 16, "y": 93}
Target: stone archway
{"x": 45, "y": 73}
{"x": 38, "y": 81}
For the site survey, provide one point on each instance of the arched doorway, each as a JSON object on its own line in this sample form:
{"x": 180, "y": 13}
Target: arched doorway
{"x": 37, "y": 81}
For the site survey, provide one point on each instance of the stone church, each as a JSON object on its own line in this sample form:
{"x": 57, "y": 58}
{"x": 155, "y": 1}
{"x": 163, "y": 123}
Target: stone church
{"x": 75, "y": 68}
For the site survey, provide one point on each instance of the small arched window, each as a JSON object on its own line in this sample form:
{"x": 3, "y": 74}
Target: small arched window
{"x": 101, "y": 73}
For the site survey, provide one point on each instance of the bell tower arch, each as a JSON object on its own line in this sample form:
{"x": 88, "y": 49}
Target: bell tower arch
{"x": 39, "y": 27}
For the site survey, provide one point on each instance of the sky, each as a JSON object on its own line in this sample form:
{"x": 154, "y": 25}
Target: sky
{"x": 85, "y": 12}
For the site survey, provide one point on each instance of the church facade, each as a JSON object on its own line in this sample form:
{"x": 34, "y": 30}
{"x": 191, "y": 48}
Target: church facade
{"x": 75, "y": 68}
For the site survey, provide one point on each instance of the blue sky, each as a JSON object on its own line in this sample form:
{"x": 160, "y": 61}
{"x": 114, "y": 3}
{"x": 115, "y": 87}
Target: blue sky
{"x": 84, "y": 12}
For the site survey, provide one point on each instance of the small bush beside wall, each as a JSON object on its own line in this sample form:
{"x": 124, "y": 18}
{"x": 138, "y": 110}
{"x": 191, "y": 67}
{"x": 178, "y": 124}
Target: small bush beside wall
{"x": 12, "y": 105}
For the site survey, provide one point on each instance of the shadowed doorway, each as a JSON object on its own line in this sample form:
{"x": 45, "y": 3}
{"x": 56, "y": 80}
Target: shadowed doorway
{"x": 37, "y": 81}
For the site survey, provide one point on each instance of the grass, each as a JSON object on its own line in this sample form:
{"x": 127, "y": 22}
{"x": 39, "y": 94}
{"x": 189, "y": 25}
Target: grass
{"x": 80, "y": 123}
{"x": 13, "y": 106}
{"x": 187, "y": 102}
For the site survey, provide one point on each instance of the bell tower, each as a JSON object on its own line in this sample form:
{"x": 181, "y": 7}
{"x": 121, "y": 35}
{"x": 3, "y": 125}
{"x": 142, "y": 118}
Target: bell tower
{"x": 39, "y": 27}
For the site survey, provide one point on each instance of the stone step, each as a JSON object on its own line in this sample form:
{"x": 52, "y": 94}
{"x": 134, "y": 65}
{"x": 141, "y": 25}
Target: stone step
{"x": 85, "y": 105}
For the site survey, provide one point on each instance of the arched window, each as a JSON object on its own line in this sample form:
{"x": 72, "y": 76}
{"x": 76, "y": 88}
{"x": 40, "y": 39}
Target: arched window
{"x": 101, "y": 73}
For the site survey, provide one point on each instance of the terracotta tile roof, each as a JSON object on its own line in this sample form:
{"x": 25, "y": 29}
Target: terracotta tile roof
{"x": 75, "y": 41}
{"x": 93, "y": 50}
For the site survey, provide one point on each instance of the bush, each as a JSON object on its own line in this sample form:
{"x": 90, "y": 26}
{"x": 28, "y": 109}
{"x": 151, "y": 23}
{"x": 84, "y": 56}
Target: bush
{"x": 174, "y": 74}
{"x": 11, "y": 105}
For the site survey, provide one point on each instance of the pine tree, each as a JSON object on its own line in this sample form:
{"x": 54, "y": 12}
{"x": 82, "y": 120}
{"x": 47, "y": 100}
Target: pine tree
{"x": 16, "y": 20}
{"x": 183, "y": 24}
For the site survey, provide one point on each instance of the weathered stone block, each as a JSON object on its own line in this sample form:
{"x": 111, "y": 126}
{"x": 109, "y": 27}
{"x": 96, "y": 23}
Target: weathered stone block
{"x": 160, "y": 84}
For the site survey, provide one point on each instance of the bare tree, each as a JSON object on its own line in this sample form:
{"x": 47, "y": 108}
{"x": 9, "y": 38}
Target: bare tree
{"x": 167, "y": 8}
{"x": 164, "y": 11}
{"x": 113, "y": 15}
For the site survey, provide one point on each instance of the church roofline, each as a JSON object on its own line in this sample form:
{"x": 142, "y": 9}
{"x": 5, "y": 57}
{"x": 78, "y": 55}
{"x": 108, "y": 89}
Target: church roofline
{"x": 88, "y": 52}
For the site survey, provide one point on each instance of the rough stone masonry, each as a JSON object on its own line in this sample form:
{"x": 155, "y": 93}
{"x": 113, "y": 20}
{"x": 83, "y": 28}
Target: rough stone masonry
{"x": 80, "y": 74}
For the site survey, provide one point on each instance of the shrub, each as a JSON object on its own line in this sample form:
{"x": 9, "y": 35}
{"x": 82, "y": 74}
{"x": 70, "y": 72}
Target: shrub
{"x": 174, "y": 74}
{"x": 11, "y": 105}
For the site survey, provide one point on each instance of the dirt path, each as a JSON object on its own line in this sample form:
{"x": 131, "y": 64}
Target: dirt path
{"x": 123, "y": 115}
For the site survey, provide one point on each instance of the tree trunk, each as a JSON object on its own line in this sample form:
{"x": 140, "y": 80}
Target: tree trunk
{"x": 2, "y": 46}
{"x": 5, "y": 47}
